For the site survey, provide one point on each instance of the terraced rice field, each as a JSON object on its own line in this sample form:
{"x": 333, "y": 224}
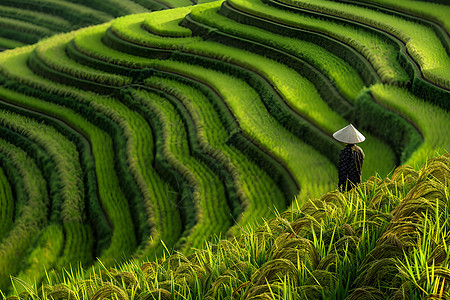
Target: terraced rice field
{"x": 159, "y": 130}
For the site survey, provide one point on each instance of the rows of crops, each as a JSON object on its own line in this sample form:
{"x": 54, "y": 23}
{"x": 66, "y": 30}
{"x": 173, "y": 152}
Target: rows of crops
{"x": 28, "y": 21}
{"x": 160, "y": 130}
{"x": 352, "y": 245}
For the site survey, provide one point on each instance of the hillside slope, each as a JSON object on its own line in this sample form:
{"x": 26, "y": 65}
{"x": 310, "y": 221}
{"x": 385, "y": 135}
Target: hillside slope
{"x": 187, "y": 123}
{"x": 387, "y": 239}
{"x": 27, "y": 21}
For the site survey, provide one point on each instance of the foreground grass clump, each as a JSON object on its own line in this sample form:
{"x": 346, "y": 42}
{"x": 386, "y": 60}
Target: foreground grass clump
{"x": 386, "y": 239}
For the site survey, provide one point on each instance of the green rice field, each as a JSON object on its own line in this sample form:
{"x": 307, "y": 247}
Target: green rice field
{"x": 157, "y": 149}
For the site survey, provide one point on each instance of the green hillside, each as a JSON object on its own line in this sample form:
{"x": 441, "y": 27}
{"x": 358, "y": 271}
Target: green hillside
{"x": 159, "y": 130}
{"x": 387, "y": 239}
{"x": 25, "y": 22}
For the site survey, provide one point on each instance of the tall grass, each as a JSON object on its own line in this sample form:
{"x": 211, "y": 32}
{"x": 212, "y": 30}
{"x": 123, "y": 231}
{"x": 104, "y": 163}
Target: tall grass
{"x": 384, "y": 239}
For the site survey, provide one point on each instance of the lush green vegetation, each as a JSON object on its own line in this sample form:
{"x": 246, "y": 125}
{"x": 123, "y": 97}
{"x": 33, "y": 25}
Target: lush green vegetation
{"x": 388, "y": 238}
{"x": 435, "y": 11}
{"x": 421, "y": 41}
{"x": 147, "y": 135}
{"x": 370, "y": 44}
{"x": 28, "y": 21}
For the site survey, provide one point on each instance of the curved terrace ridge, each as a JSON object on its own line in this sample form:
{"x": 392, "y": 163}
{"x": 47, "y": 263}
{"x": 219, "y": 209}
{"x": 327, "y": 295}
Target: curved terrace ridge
{"x": 157, "y": 131}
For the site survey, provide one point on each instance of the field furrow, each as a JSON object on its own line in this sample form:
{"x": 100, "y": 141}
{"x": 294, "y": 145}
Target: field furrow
{"x": 256, "y": 192}
{"x": 154, "y": 126}
{"x": 435, "y": 12}
{"x": 429, "y": 119}
{"x": 421, "y": 41}
{"x": 30, "y": 217}
{"x": 7, "y": 206}
{"x": 212, "y": 214}
{"x": 276, "y": 74}
{"x": 111, "y": 196}
{"x": 67, "y": 189}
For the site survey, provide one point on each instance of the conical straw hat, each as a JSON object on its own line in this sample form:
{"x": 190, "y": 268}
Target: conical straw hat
{"x": 349, "y": 135}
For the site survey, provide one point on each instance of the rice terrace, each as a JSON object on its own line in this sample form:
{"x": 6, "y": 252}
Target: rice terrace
{"x": 183, "y": 149}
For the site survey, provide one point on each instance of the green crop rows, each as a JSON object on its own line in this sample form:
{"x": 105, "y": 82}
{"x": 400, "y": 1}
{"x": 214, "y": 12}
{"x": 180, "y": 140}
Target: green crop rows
{"x": 159, "y": 130}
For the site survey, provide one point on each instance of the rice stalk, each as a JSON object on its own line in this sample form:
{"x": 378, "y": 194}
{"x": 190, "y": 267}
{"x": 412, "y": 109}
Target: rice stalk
{"x": 110, "y": 290}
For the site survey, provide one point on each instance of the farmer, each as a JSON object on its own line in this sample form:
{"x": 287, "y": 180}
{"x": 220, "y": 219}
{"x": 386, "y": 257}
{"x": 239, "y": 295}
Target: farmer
{"x": 351, "y": 158}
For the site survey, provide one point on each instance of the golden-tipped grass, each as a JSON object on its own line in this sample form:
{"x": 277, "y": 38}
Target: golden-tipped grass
{"x": 380, "y": 54}
{"x": 335, "y": 247}
{"x": 421, "y": 41}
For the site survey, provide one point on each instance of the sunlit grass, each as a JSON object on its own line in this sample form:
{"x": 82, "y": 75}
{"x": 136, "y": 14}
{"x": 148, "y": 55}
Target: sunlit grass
{"x": 386, "y": 238}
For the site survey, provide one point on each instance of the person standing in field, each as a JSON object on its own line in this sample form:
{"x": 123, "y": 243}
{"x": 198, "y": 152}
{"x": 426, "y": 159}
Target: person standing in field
{"x": 351, "y": 157}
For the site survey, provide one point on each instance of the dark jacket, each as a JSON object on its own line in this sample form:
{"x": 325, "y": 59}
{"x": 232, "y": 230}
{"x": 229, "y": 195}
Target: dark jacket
{"x": 350, "y": 167}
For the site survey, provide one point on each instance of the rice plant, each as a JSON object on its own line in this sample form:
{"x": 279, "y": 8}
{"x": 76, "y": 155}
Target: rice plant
{"x": 421, "y": 41}
{"x": 102, "y": 149}
{"x": 120, "y": 158}
{"x": 256, "y": 191}
{"x": 372, "y": 46}
{"x": 435, "y": 11}
{"x": 30, "y": 218}
{"x": 53, "y": 54}
{"x": 6, "y": 204}
{"x": 431, "y": 120}
{"x": 341, "y": 246}
{"x": 211, "y": 209}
